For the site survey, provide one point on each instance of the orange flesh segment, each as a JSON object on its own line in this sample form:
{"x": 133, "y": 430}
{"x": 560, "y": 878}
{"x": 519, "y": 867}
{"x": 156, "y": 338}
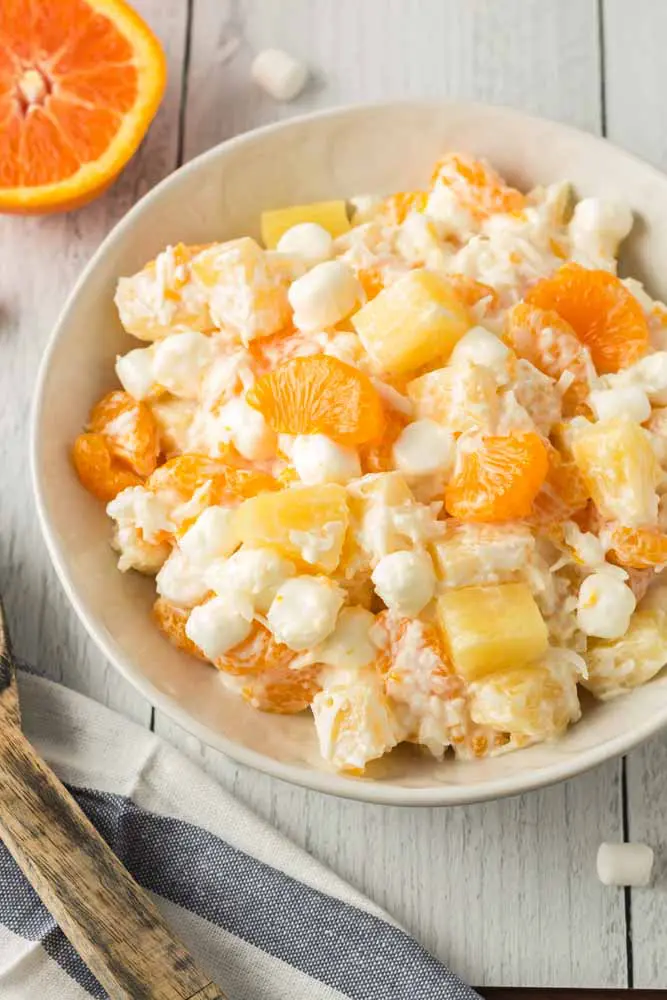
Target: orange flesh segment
{"x": 96, "y": 469}
{"x": 604, "y": 315}
{"x": 638, "y": 548}
{"x": 544, "y": 338}
{"x": 500, "y": 480}
{"x": 130, "y": 430}
{"x": 319, "y": 395}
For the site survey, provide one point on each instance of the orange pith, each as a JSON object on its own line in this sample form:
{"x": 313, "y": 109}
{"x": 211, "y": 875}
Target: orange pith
{"x": 80, "y": 81}
{"x": 604, "y": 315}
{"x": 130, "y": 430}
{"x": 638, "y": 548}
{"x": 499, "y": 480}
{"x": 98, "y": 471}
{"x": 319, "y": 395}
{"x": 477, "y": 186}
{"x": 544, "y": 338}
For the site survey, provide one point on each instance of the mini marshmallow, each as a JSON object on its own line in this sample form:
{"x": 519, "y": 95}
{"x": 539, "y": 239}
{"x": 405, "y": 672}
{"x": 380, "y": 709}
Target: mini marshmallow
{"x": 405, "y": 581}
{"x": 324, "y": 295}
{"x": 307, "y": 239}
{"x": 318, "y": 459}
{"x": 279, "y": 74}
{"x": 424, "y": 447}
{"x": 625, "y": 864}
{"x": 604, "y": 606}
{"x": 220, "y": 624}
{"x": 304, "y": 611}
{"x": 135, "y": 372}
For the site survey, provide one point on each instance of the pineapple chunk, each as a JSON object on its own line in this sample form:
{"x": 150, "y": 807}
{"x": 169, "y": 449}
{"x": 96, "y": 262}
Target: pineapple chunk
{"x": 488, "y": 629}
{"x": 305, "y": 523}
{"x": 354, "y": 722}
{"x": 482, "y": 554}
{"x": 331, "y": 215}
{"x": 245, "y": 291}
{"x": 617, "y": 665}
{"x": 463, "y": 398}
{"x": 537, "y": 701}
{"x": 412, "y": 322}
{"x": 620, "y": 470}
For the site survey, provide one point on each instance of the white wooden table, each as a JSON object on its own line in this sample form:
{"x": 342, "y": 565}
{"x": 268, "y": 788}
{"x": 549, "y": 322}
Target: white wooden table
{"x": 505, "y": 893}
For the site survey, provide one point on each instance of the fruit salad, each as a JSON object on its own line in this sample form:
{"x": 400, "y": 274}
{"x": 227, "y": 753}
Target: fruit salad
{"x": 401, "y": 465}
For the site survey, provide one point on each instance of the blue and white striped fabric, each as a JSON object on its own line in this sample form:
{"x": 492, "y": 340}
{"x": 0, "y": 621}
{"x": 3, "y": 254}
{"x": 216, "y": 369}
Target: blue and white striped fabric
{"x": 263, "y": 917}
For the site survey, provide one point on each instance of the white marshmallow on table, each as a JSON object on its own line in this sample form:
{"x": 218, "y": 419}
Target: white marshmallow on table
{"x": 279, "y": 74}
{"x": 304, "y": 611}
{"x": 307, "y": 239}
{"x": 631, "y": 402}
{"x": 625, "y": 864}
{"x": 324, "y": 295}
{"x": 424, "y": 447}
{"x": 318, "y": 459}
{"x": 135, "y": 372}
{"x": 405, "y": 581}
{"x": 604, "y": 606}
{"x": 220, "y": 624}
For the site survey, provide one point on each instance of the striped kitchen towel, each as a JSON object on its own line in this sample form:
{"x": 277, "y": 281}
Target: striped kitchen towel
{"x": 261, "y": 916}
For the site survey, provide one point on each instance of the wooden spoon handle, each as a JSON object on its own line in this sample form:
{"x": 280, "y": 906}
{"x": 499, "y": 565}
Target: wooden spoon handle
{"x": 110, "y": 921}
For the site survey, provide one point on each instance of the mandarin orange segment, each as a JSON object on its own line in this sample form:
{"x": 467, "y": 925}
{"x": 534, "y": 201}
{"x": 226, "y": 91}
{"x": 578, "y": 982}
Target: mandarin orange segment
{"x": 604, "y": 315}
{"x": 184, "y": 475}
{"x": 544, "y": 338}
{"x": 259, "y": 653}
{"x": 130, "y": 430}
{"x": 638, "y": 548}
{"x": 564, "y": 492}
{"x": 377, "y": 455}
{"x": 319, "y": 395}
{"x": 270, "y": 684}
{"x": 80, "y": 81}
{"x": 172, "y": 621}
{"x": 500, "y": 480}
{"x": 96, "y": 469}
{"x": 476, "y": 185}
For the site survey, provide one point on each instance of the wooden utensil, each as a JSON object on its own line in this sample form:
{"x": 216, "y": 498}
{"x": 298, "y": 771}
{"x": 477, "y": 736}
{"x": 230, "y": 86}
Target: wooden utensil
{"x": 111, "y": 922}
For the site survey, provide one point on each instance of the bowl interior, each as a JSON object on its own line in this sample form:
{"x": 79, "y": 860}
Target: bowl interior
{"x": 218, "y": 196}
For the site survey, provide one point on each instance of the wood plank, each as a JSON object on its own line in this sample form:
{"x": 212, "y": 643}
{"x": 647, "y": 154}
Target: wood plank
{"x": 506, "y": 893}
{"x": 40, "y": 260}
{"x": 634, "y": 67}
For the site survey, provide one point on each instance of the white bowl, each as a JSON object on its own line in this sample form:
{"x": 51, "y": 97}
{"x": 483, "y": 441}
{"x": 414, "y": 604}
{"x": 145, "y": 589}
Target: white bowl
{"x": 220, "y": 195}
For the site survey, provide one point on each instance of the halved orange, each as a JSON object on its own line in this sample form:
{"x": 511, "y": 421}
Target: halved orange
{"x": 80, "y": 81}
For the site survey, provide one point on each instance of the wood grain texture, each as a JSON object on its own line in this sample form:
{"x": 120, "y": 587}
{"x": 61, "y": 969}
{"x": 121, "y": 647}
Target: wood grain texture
{"x": 112, "y": 923}
{"x": 635, "y": 114}
{"x": 40, "y": 259}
